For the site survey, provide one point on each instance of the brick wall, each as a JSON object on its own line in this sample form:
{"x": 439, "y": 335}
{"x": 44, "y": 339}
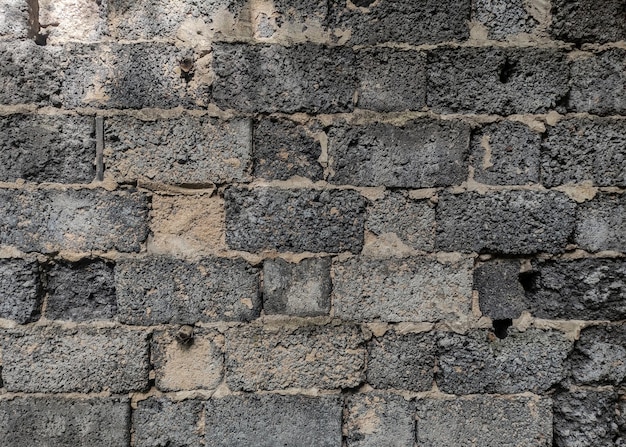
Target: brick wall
{"x": 314, "y": 223}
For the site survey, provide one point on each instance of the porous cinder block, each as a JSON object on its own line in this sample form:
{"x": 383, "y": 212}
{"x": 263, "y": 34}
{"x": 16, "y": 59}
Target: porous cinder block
{"x": 496, "y": 81}
{"x": 79, "y": 220}
{"x": 20, "y": 290}
{"x": 163, "y": 289}
{"x": 326, "y": 357}
{"x": 160, "y": 421}
{"x": 486, "y": 421}
{"x": 506, "y": 153}
{"x": 15, "y": 19}
{"x": 391, "y": 80}
{"x": 402, "y": 361}
{"x": 72, "y": 20}
{"x": 86, "y": 360}
{"x": 581, "y": 289}
{"x": 591, "y": 21}
{"x": 504, "y": 18}
{"x": 601, "y": 223}
{"x": 500, "y": 292}
{"x": 283, "y": 149}
{"x": 419, "y": 154}
{"x": 599, "y": 356}
{"x": 396, "y": 290}
{"x": 379, "y": 419}
{"x": 80, "y": 291}
{"x": 267, "y": 218}
{"x": 47, "y": 148}
{"x": 578, "y": 150}
{"x": 482, "y": 363}
{"x": 64, "y": 422}
{"x": 508, "y": 222}
{"x": 272, "y": 78}
{"x": 301, "y": 289}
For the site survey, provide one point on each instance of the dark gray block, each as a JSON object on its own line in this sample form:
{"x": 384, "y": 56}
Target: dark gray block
{"x": 160, "y": 422}
{"x": 271, "y": 420}
{"x": 500, "y": 292}
{"x": 14, "y": 20}
{"x": 420, "y": 154}
{"x": 494, "y": 80}
{"x": 509, "y": 222}
{"x": 63, "y": 422}
{"x": 593, "y": 21}
{"x": 160, "y": 289}
{"x": 504, "y": 18}
{"x": 599, "y": 357}
{"x": 601, "y": 223}
{"x": 294, "y": 220}
{"x": 20, "y": 290}
{"x": 272, "y": 78}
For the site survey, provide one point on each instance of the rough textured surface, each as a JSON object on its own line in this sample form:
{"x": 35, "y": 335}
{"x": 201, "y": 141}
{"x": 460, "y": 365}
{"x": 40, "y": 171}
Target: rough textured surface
{"x": 595, "y": 21}
{"x": 161, "y": 422}
{"x": 63, "y": 20}
{"x": 601, "y": 223}
{"x": 14, "y": 19}
{"x": 504, "y": 18}
{"x": 500, "y": 292}
{"x": 599, "y": 357}
{"x": 20, "y": 290}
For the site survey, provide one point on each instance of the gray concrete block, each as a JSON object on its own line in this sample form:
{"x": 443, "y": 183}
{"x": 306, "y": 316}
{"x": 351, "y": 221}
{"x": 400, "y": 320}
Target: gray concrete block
{"x": 294, "y": 219}
{"x": 601, "y": 223}
{"x": 272, "y": 78}
{"x": 482, "y": 363}
{"x": 500, "y": 292}
{"x": 506, "y": 153}
{"x": 64, "y": 422}
{"x": 180, "y": 150}
{"x": 496, "y": 81}
{"x": 402, "y": 361}
{"x": 508, "y": 222}
{"x": 592, "y": 21}
{"x": 301, "y": 289}
{"x": 81, "y": 291}
{"x": 395, "y": 290}
{"x": 159, "y": 421}
{"x": 160, "y": 289}
{"x": 14, "y": 20}
{"x": 80, "y": 220}
{"x": 271, "y": 420}
{"x": 325, "y": 357}
{"x": 86, "y": 360}
{"x": 504, "y": 18}
{"x": 419, "y": 154}
{"x": 20, "y": 290}
{"x": 599, "y": 357}
{"x": 487, "y": 421}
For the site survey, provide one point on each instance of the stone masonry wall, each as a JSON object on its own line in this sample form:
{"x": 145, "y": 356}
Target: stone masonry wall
{"x": 313, "y": 223}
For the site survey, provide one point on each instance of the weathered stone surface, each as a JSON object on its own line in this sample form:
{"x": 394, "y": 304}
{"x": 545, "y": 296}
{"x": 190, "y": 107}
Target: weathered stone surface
{"x": 180, "y": 150}
{"x": 506, "y": 153}
{"x": 379, "y": 419}
{"x": 509, "y": 222}
{"x": 577, "y": 150}
{"x": 14, "y": 19}
{"x": 272, "y": 78}
{"x": 55, "y": 360}
{"x": 325, "y": 357}
{"x": 162, "y": 289}
{"x": 601, "y": 223}
{"x": 413, "y": 289}
{"x": 62, "y": 422}
{"x": 301, "y": 289}
{"x": 47, "y": 148}
{"x": 590, "y": 21}
{"x": 81, "y": 291}
{"x": 598, "y": 82}
{"x": 599, "y": 356}
{"x": 84, "y": 220}
{"x": 504, "y": 18}
{"x": 294, "y": 220}
{"x": 419, "y": 154}
{"x": 494, "y": 80}
{"x": 485, "y": 421}
{"x": 500, "y": 292}
{"x": 283, "y": 149}
{"x": 160, "y": 422}
{"x": 71, "y": 20}
{"x": 582, "y": 289}
{"x": 270, "y": 420}
{"x": 391, "y": 80}
{"x": 401, "y": 361}
{"x": 482, "y": 363}
{"x": 20, "y": 290}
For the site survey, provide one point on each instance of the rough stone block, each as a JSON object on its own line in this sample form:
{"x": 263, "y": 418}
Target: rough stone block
{"x": 83, "y": 220}
{"x": 601, "y": 223}
{"x": 402, "y": 361}
{"x": 495, "y": 80}
{"x": 506, "y": 153}
{"x": 592, "y": 21}
{"x": 599, "y": 357}
{"x": 86, "y": 360}
{"x": 63, "y": 422}
{"x": 419, "y": 154}
{"x": 325, "y": 357}
{"x": 504, "y": 18}
{"x": 294, "y": 220}
{"x": 272, "y": 78}
{"x": 500, "y": 292}
{"x": 15, "y": 19}
{"x": 159, "y": 421}
{"x": 71, "y": 20}
{"x": 301, "y": 289}
{"x": 508, "y": 222}
{"x": 81, "y": 291}
{"x": 485, "y": 421}
{"x": 163, "y": 289}
{"x": 270, "y": 420}
{"x": 20, "y": 290}
{"x": 482, "y": 363}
